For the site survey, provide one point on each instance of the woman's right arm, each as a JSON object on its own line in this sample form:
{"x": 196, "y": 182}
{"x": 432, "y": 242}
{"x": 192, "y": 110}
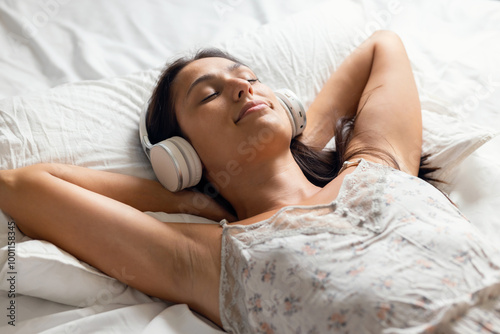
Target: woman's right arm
{"x": 139, "y": 193}
{"x": 176, "y": 262}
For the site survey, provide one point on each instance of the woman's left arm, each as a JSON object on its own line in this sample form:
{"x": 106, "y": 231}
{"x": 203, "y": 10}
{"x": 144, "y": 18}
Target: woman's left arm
{"x": 375, "y": 84}
{"x": 340, "y": 95}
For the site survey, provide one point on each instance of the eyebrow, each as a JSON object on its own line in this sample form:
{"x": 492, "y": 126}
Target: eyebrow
{"x": 210, "y": 76}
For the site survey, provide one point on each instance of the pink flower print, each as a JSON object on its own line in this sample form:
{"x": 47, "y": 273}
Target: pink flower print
{"x": 385, "y": 283}
{"x": 246, "y": 272}
{"x": 337, "y": 320}
{"x": 433, "y": 202}
{"x": 409, "y": 219}
{"x": 470, "y": 236}
{"x": 266, "y": 328}
{"x": 447, "y": 281}
{"x": 422, "y": 302}
{"x": 319, "y": 279}
{"x": 269, "y": 272}
{"x": 309, "y": 248}
{"x": 385, "y": 310}
{"x": 292, "y": 305}
{"x": 426, "y": 264}
{"x": 462, "y": 257}
{"x": 255, "y": 303}
{"x": 389, "y": 199}
{"x": 440, "y": 229}
{"x": 398, "y": 241}
{"x": 356, "y": 271}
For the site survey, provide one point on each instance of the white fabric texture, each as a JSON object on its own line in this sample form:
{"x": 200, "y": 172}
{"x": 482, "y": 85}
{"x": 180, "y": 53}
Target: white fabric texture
{"x": 94, "y": 123}
{"x": 50, "y": 42}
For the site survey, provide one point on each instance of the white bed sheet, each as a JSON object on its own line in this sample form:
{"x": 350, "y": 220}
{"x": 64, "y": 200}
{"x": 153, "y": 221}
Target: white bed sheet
{"x": 46, "y": 43}
{"x": 49, "y": 42}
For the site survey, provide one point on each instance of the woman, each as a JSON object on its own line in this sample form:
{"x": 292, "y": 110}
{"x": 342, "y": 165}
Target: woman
{"x": 361, "y": 252}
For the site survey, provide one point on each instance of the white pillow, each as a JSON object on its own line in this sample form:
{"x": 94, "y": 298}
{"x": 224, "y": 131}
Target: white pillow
{"x": 448, "y": 140}
{"x": 95, "y": 124}
{"x": 89, "y": 123}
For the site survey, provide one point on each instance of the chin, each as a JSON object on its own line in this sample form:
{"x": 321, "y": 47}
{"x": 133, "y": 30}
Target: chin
{"x": 271, "y": 126}
{"x": 263, "y": 140}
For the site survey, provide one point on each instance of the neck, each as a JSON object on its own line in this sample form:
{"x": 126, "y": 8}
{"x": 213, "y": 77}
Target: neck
{"x": 268, "y": 185}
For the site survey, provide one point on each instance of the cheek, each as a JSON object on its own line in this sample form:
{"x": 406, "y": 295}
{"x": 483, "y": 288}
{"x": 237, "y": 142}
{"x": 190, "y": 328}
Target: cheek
{"x": 266, "y": 91}
{"x": 207, "y": 133}
{"x": 284, "y": 119}
{"x": 196, "y": 123}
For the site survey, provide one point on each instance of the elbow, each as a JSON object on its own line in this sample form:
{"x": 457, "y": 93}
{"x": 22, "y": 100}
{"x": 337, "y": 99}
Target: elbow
{"x": 8, "y": 183}
{"x": 386, "y": 36}
{"x": 383, "y": 33}
{"x": 17, "y": 186}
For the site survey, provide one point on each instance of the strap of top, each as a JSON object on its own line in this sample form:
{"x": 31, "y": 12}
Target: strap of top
{"x": 348, "y": 164}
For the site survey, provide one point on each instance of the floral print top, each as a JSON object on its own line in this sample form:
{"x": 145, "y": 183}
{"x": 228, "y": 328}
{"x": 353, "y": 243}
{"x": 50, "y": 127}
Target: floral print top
{"x": 390, "y": 255}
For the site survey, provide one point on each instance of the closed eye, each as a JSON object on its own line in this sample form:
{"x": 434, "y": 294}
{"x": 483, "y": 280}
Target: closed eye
{"x": 210, "y": 96}
{"x": 251, "y": 81}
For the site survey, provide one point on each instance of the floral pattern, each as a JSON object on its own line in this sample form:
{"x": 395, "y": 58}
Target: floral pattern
{"x": 391, "y": 253}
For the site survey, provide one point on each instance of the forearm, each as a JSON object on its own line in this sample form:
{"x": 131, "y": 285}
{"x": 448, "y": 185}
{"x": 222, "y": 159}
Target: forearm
{"x": 341, "y": 95}
{"x": 142, "y": 194}
{"x": 25, "y": 190}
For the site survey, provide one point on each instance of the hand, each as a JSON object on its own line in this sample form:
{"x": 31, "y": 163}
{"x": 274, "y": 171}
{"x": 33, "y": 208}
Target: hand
{"x": 202, "y": 205}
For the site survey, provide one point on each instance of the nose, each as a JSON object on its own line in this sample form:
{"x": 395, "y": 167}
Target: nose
{"x": 241, "y": 88}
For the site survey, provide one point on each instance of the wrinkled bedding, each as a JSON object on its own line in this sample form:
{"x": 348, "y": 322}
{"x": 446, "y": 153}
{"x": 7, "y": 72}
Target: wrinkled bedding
{"x": 73, "y": 76}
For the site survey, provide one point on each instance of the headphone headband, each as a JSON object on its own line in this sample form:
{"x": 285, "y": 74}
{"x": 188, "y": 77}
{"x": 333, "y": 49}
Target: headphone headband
{"x": 143, "y": 131}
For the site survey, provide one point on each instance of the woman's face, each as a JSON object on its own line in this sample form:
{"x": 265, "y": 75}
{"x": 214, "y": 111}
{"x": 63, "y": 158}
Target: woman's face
{"x": 227, "y": 114}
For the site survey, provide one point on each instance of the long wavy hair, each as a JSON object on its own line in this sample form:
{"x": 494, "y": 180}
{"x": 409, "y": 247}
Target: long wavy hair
{"x": 318, "y": 165}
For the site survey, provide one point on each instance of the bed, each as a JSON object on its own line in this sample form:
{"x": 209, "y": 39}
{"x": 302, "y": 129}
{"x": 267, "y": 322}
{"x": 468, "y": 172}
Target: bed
{"x": 74, "y": 75}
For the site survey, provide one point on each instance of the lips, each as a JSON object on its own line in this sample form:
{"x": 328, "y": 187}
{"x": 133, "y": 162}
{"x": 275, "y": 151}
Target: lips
{"x": 251, "y": 106}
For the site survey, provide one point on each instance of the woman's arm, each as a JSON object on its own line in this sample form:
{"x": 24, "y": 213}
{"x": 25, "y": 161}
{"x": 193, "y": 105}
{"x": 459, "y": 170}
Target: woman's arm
{"x": 340, "y": 95}
{"x": 377, "y": 80}
{"x": 176, "y": 262}
{"x": 141, "y": 194}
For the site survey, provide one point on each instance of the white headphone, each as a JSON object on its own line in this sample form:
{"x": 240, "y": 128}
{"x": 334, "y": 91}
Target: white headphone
{"x": 176, "y": 163}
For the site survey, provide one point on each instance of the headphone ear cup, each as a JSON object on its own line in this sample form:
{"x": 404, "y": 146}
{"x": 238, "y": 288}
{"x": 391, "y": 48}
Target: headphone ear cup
{"x": 192, "y": 159}
{"x": 176, "y": 164}
{"x": 296, "y": 112}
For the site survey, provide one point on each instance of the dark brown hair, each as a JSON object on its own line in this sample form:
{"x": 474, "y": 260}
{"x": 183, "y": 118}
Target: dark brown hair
{"x": 318, "y": 165}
